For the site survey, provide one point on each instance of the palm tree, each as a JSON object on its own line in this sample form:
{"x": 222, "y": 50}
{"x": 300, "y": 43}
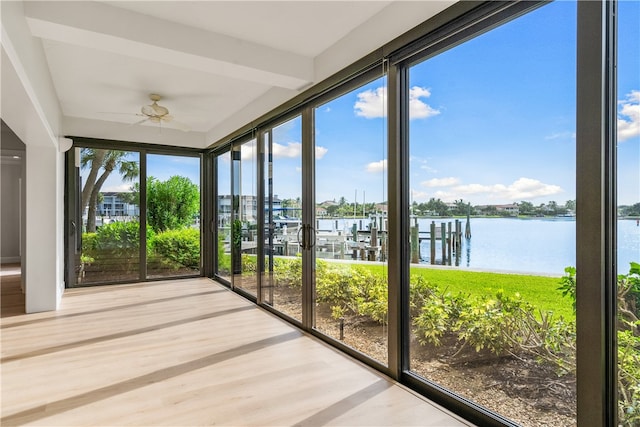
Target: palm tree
{"x": 107, "y": 161}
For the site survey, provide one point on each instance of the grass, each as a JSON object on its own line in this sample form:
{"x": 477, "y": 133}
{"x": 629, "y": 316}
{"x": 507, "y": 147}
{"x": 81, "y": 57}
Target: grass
{"x": 539, "y": 291}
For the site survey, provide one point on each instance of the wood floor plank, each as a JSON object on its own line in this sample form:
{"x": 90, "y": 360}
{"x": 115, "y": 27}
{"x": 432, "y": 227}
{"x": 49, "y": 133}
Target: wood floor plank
{"x": 187, "y": 352}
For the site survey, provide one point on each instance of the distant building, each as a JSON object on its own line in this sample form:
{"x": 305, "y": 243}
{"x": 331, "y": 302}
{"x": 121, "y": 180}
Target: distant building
{"x": 511, "y": 209}
{"x": 248, "y": 208}
{"x": 112, "y": 204}
{"x": 382, "y": 207}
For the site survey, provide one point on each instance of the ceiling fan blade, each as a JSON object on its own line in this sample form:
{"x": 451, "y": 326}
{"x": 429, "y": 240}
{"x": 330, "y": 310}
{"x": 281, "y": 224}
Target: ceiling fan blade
{"x": 139, "y": 122}
{"x": 148, "y": 110}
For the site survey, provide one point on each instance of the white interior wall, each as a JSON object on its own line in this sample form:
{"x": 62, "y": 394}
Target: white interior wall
{"x": 30, "y": 108}
{"x": 10, "y": 181}
{"x": 43, "y": 251}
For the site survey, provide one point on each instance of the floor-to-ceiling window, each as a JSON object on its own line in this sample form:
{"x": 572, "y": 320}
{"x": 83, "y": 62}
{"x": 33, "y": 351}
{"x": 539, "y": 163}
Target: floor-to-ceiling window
{"x": 492, "y": 192}
{"x": 628, "y": 223}
{"x": 282, "y": 271}
{"x": 122, "y": 239}
{"x": 173, "y": 215}
{"x": 351, "y": 229}
{"x": 110, "y": 215}
{"x": 487, "y": 121}
{"x": 244, "y": 226}
{"x": 223, "y": 214}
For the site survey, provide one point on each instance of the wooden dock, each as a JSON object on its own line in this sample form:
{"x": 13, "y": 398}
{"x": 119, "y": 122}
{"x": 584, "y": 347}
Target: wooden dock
{"x": 448, "y": 234}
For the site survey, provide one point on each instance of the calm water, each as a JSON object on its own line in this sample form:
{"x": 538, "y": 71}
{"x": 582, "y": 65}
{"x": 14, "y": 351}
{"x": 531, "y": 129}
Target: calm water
{"x": 538, "y": 245}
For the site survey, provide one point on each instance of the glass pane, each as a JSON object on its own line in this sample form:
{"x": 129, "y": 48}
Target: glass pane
{"x": 173, "y": 216}
{"x": 629, "y": 213}
{"x": 110, "y": 216}
{"x": 223, "y": 183}
{"x": 492, "y": 218}
{"x": 282, "y": 280}
{"x": 351, "y": 220}
{"x": 244, "y": 231}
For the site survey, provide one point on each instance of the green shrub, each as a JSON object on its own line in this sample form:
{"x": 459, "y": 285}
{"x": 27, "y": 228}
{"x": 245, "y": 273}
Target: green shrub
{"x": 179, "y": 246}
{"x": 288, "y": 272}
{"x": 89, "y": 243}
{"x": 115, "y": 246}
{"x": 224, "y": 259}
{"x": 628, "y": 378}
{"x": 352, "y": 290}
{"x": 502, "y": 324}
{"x": 249, "y": 263}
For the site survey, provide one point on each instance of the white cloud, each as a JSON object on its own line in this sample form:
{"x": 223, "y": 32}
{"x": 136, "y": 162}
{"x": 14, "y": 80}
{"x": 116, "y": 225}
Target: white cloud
{"x": 422, "y": 163}
{"x": 629, "y": 116}
{"x": 320, "y": 152}
{"x": 248, "y": 151}
{"x": 440, "y": 182}
{"x": 372, "y": 103}
{"x": 418, "y": 109}
{"x": 419, "y": 196}
{"x": 293, "y": 150}
{"x": 521, "y": 189}
{"x": 561, "y": 135}
{"x": 376, "y": 167}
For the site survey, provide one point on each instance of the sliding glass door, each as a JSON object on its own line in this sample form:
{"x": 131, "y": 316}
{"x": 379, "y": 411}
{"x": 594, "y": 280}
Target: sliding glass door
{"x": 110, "y": 213}
{"x": 492, "y": 178}
{"x": 222, "y": 269}
{"x": 281, "y": 280}
{"x": 244, "y": 225}
{"x": 350, "y": 229}
{"x": 173, "y": 215}
{"x": 122, "y": 239}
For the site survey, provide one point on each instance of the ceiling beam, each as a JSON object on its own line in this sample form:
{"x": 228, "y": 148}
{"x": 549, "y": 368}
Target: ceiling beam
{"x": 112, "y": 29}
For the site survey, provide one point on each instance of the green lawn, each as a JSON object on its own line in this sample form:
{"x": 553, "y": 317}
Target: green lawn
{"x": 539, "y": 291}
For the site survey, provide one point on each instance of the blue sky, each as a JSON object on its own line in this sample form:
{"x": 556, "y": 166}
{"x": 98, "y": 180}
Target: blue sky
{"x": 161, "y": 167}
{"x": 492, "y": 122}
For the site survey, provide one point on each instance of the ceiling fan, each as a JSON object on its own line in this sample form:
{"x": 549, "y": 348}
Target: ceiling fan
{"x": 156, "y": 113}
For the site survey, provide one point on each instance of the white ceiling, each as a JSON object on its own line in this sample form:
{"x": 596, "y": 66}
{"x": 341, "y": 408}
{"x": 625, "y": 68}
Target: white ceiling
{"x": 217, "y": 64}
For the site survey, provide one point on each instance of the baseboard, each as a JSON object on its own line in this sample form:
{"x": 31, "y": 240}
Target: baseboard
{"x": 9, "y": 259}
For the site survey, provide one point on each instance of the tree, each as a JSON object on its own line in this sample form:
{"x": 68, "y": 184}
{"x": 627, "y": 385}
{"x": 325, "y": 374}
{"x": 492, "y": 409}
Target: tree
{"x": 107, "y": 161}
{"x": 526, "y": 208}
{"x": 570, "y": 205}
{"x": 171, "y": 204}
{"x": 461, "y": 208}
{"x": 633, "y": 210}
{"x": 438, "y": 206}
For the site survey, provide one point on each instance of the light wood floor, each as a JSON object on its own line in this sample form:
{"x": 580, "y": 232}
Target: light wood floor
{"x": 187, "y": 352}
{"x": 11, "y": 296}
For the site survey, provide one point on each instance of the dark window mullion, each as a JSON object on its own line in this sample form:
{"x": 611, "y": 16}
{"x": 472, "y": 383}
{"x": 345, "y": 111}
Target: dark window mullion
{"x": 595, "y": 214}
{"x": 143, "y": 215}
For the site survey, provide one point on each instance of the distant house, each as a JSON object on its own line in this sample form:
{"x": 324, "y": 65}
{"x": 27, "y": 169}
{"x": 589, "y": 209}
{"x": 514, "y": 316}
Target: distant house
{"x": 328, "y": 203}
{"x": 511, "y": 209}
{"x": 112, "y": 204}
{"x": 382, "y": 207}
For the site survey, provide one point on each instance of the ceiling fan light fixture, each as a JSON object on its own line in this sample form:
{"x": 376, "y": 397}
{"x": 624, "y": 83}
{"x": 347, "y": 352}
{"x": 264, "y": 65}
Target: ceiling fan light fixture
{"x": 154, "y": 110}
